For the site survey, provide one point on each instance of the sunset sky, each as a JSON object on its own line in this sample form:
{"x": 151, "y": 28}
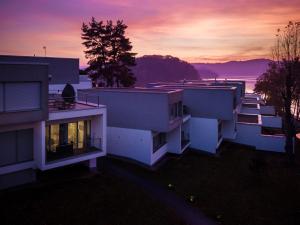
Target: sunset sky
{"x": 194, "y": 30}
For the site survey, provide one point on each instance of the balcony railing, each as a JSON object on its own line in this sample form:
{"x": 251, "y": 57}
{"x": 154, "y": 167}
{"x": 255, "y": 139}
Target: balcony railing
{"x": 57, "y": 102}
{"x": 67, "y": 150}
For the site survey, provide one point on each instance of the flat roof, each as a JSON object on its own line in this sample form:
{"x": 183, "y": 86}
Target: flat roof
{"x": 192, "y": 86}
{"x": 44, "y": 57}
{"x": 23, "y": 63}
{"x": 133, "y": 90}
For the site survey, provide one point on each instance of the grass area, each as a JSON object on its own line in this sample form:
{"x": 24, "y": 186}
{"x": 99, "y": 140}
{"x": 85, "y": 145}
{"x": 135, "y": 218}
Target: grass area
{"x": 99, "y": 199}
{"x": 241, "y": 186}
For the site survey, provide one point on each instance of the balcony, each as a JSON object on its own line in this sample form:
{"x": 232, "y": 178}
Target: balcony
{"x": 248, "y": 118}
{"x": 69, "y": 150}
{"x": 272, "y": 131}
{"x": 58, "y": 103}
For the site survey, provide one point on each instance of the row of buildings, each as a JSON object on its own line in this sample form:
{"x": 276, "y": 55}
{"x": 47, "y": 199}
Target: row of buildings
{"x": 41, "y": 130}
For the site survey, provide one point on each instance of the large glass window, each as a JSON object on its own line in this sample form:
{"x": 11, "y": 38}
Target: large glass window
{"x": 159, "y": 140}
{"x": 54, "y": 137}
{"x": 81, "y": 134}
{"x": 22, "y": 96}
{"x": 72, "y": 134}
{"x": 67, "y": 139}
{"x": 16, "y": 147}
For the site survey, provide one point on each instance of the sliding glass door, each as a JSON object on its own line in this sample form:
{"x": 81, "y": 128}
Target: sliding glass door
{"x": 65, "y": 139}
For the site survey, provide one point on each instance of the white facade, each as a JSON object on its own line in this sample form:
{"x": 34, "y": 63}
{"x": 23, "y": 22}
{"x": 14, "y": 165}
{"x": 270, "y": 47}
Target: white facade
{"x": 130, "y": 143}
{"x": 267, "y": 109}
{"x": 204, "y": 134}
{"x": 250, "y": 134}
{"x": 271, "y": 121}
{"x": 136, "y": 144}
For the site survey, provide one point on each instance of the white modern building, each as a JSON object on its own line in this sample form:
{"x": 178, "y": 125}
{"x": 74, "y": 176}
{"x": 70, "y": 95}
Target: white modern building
{"x": 143, "y": 124}
{"x": 259, "y": 126}
{"x": 213, "y": 114}
{"x": 39, "y": 131}
{"x": 254, "y": 123}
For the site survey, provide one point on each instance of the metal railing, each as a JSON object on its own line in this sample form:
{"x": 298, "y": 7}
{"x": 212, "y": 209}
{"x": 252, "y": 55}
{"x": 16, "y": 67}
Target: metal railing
{"x": 57, "y": 102}
{"x": 66, "y": 150}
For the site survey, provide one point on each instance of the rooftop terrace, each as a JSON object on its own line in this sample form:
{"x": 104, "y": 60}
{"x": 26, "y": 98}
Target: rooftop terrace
{"x": 58, "y": 103}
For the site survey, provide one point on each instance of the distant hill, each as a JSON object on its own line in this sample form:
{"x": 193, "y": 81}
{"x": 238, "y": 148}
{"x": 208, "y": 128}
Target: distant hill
{"x": 253, "y": 67}
{"x": 154, "y": 68}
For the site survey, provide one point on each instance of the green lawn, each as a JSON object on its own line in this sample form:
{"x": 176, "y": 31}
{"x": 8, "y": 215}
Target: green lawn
{"x": 98, "y": 200}
{"x": 241, "y": 186}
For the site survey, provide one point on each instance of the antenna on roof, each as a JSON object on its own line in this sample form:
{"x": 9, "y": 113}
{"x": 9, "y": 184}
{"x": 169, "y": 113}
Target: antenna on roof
{"x": 45, "y": 50}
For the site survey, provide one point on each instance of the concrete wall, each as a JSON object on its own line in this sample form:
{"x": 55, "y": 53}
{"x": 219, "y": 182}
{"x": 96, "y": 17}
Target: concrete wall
{"x": 229, "y": 128}
{"x": 204, "y": 134}
{"x": 268, "y": 110}
{"x": 250, "y": 134}
{"x": 271, "y": 121}
{"x": 274, "y": 143}
{"x": 24, "y": 92}
{"x": 240, "y": 88}
{"x": 174, "y": 141}
{"x": 17, "y": 178}
{"x": 62, "y": 70}
{"x": 137, "y": 110}
{"x": 210, "y": 103}
{"x": 130, "y": 143}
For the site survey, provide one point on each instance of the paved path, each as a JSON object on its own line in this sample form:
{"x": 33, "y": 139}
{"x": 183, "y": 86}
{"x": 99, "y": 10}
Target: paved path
{"x": 189, "y": 214}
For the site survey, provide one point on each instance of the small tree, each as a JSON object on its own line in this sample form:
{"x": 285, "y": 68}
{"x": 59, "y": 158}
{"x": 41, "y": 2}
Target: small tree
{"x": 68, "y": 94}
{"x": 109, "y": 53}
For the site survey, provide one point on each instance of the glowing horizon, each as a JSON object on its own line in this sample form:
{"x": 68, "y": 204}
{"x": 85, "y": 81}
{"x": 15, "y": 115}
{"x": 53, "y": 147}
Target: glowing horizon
{"x": 195, "y": 31}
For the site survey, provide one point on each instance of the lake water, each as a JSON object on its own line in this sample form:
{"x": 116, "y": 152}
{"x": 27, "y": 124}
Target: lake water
{"x": 250, "y": 81}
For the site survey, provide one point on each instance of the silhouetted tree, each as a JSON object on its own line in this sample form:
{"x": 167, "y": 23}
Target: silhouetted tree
{"x": 68, "y": 93}
{"x": 109, "y": 53}
{"x": 281, "y": 83}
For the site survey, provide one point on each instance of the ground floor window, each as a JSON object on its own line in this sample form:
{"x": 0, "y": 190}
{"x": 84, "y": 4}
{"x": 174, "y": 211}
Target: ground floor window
{"x": 63, "y": 139}
{"x": 16, "y": 146}
{"x": 159, "y": 139}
